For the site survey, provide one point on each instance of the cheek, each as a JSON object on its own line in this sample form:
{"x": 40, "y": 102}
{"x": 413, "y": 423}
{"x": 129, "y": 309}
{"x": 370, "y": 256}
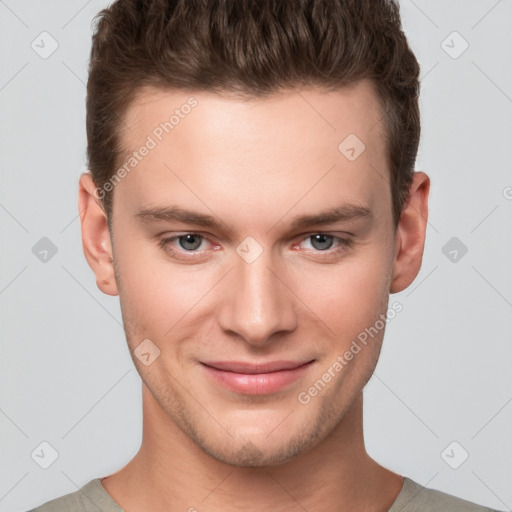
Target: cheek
{"x": 146, "y": 290}
{"x": 158, "y": 297}
{"x": 348, "y": 297}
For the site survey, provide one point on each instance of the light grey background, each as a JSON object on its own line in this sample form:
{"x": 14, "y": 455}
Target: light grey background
{"x": 444, "y": 373}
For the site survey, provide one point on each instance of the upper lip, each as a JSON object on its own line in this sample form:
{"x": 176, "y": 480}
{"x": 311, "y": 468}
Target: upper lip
{"x": 253, "y": 368}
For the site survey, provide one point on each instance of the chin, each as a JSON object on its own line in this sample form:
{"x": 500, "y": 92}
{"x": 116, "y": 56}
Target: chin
{"x": 249, "y": 446}
{"x": 247, "y": 454}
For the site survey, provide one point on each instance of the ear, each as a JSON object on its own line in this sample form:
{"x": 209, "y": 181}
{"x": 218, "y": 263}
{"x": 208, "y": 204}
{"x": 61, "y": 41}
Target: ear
{"x": 410, "y": 234}
{"x": 95, "y": 235}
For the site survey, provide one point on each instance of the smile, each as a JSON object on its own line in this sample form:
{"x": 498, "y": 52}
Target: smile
{"x": 251, "y": 379}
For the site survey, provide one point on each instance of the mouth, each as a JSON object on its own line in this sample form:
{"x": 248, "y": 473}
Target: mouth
{"x": 256, "y": 379}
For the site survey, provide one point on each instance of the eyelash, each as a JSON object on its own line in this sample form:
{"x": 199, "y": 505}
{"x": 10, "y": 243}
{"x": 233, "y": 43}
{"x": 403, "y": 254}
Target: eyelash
{"x": 343, "y": 245}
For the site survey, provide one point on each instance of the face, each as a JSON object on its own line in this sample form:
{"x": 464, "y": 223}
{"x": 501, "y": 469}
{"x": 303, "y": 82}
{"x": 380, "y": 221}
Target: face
{"x": 253, "y": 232}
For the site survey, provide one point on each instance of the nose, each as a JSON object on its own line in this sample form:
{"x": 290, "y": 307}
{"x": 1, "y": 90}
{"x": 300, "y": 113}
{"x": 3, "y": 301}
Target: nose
{"x": 256, "y": 303}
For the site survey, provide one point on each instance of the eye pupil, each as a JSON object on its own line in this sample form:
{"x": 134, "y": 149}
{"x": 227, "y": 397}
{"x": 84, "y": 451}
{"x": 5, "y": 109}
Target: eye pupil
{"x": 186, "y": 241}
{"x": 322, "y": 240}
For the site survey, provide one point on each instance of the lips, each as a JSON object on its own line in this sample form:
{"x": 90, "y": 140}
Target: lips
{"x": 255, "y": 379}
{"x": 252, "y": 369}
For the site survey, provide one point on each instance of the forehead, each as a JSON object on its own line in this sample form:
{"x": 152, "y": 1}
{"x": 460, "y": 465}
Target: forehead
{"x": 303, "y": 145}
{"x": 313, "y": 111}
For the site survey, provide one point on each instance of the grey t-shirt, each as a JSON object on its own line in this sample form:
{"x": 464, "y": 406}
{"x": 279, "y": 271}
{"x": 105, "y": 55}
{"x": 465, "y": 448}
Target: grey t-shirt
{"x": 413, "y": 497}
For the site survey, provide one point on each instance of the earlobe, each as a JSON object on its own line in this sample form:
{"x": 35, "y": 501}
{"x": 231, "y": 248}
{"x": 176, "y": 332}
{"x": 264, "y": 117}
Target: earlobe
{"x": 410, "y": 234}
{"x": 96, "y": 241}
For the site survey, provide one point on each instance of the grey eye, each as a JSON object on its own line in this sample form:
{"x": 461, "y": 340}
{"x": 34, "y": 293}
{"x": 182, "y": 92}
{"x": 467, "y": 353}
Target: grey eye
{"x": 321, "y": 242}
{"x": 190, "y": 242}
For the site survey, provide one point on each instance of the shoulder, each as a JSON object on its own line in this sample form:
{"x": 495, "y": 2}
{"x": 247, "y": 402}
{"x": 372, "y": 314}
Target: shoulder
{"x": 92, "y": 497}
{"x": 416, "y": 498}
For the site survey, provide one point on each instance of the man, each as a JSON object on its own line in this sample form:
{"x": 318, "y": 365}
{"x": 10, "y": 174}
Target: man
{"x": 253, "y": 202}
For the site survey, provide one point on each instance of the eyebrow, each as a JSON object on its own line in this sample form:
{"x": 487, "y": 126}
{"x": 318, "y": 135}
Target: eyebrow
{"x": 344, "y": 212}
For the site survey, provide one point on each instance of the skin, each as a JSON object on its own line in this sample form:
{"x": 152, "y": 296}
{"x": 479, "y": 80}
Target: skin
{"x": 254, "y": 166}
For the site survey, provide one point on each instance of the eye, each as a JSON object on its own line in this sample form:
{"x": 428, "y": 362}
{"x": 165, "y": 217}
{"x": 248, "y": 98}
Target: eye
{"x": 190, "y": 241}
{"x": 323, "y": 242}
{"x": 187, "y": 243}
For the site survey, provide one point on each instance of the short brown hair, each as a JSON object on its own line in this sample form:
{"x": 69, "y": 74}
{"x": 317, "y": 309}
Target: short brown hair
{"x": 254, "y": 48}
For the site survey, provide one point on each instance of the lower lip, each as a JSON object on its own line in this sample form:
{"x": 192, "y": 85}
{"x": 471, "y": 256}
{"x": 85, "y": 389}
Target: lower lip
{"x": 256, "y": 384}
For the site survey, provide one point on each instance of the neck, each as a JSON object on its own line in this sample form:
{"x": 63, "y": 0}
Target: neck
{"x": 171, "y": 472}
